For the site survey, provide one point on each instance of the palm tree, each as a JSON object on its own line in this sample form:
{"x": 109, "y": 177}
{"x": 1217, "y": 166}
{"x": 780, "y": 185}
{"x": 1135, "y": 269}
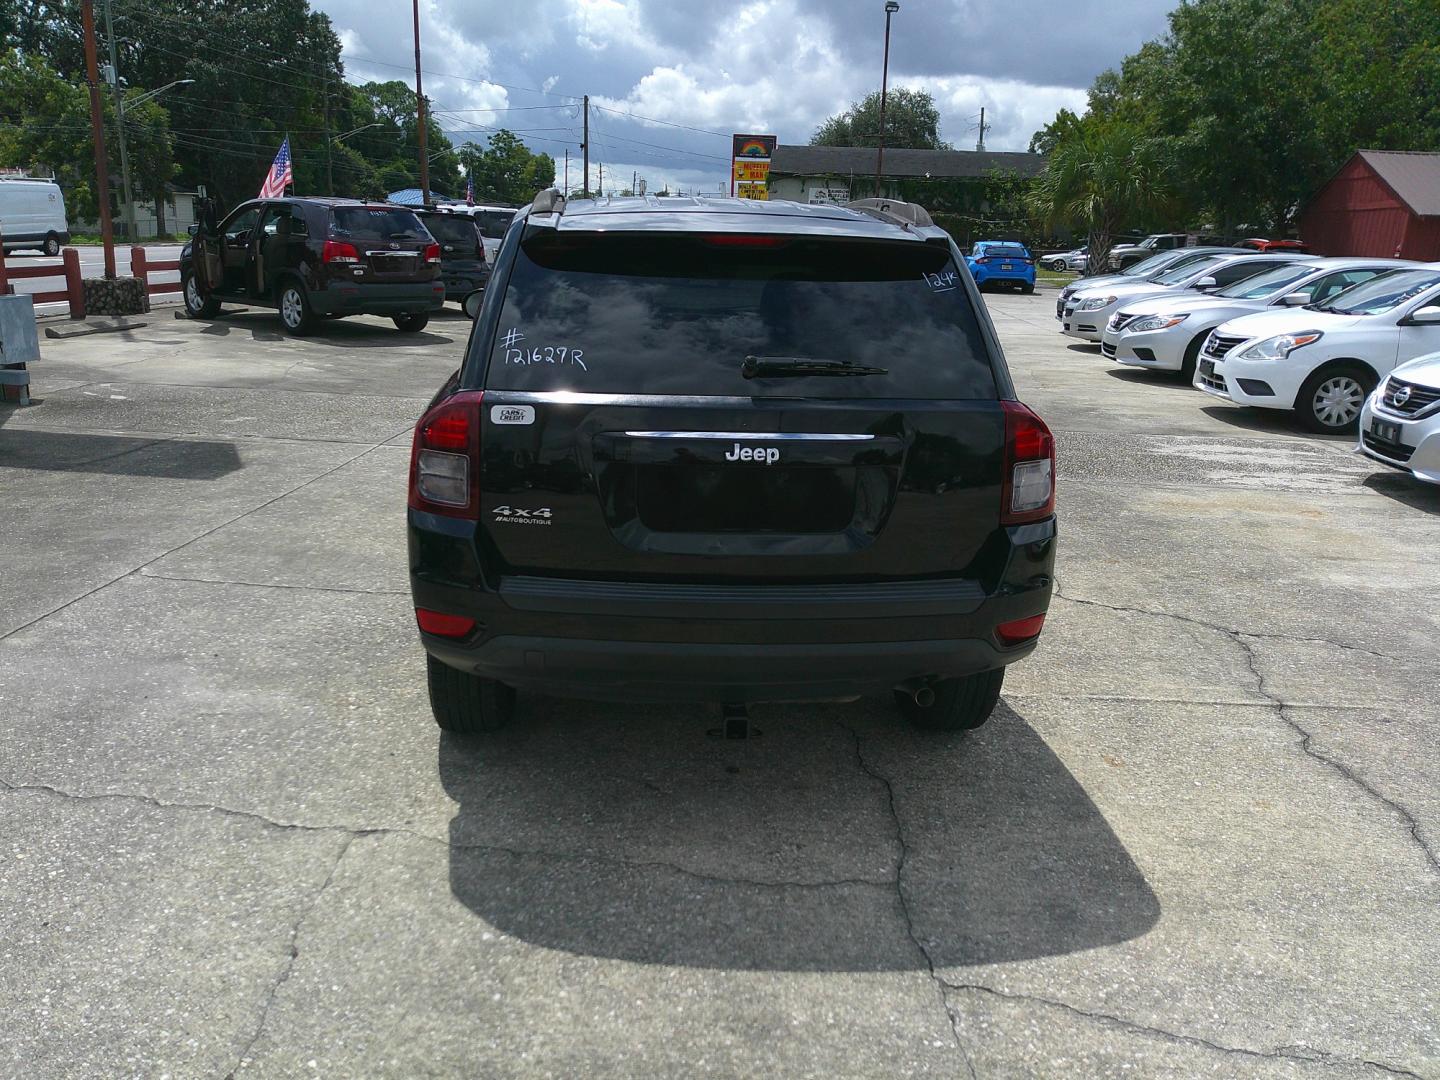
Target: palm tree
{"x": 1100, "y": 177}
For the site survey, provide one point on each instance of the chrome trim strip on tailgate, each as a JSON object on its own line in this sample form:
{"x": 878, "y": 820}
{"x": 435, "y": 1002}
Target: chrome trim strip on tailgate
{"x": 739, "y": 436}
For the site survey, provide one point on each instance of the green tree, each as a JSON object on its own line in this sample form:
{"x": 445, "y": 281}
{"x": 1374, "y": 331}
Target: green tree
{"x": 1100, "y": 177}
{"x": 45, "y": 124}
{"x": 393, "y": 143}
{"x": 911, "y": 121}
{"x": 507, "y": 170}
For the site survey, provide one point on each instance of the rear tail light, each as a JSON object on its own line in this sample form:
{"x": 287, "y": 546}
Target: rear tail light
{"x": 1018, "y": 630}
{"x": 442, "y": 625}
{"x": 982, "y": 259}
{"x": 1028, "y": 491}
{"x": 445, "y": 457}
{"x": 337, "y": 251}
{"x": 432, "y": 253}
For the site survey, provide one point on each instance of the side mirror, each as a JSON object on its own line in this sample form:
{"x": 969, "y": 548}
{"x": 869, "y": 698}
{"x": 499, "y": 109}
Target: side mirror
{"x": 476, "y": 298}
{"x": 1206, "y": 283}
{"x": 1427, "y": 315}
{"x": 1295, "y": 299}
{"x": 193, "y": 229}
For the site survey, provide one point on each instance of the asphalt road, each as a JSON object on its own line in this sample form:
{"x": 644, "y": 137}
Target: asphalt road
{"x": 92, "y": 264}
{"x": 1199, "y": 838}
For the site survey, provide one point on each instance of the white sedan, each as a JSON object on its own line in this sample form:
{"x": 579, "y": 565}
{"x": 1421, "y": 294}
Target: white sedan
{"x": 1322, "y": 361}
{"x": 1165, "y": 333}
{"x": 1067, "y": 260}
{"x": 1400, "y": 423}
{"x": 1086, "y": 313}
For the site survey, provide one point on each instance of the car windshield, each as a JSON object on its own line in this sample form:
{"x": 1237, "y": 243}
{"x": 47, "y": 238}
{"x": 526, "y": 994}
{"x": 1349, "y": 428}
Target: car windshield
{"x": 1262, "y": 285}
{"x": 649, "y": 313}
{"x": 1383, "y": 292}
{"x": 493, "y": 223}
{"x": 376, "y": 223}
{"x": 1146, "y": 267}
{"x": 452, "y": 229}
{"x": 1185, "y": 271}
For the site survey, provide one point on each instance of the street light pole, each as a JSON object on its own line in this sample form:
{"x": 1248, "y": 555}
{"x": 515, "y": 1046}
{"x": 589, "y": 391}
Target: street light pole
{"x": 130, "y": 229}
{"x": 420, "y": 115}
{"x": 890, "y": 8}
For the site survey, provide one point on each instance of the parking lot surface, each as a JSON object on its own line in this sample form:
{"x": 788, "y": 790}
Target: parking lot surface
{"x": 1199, "y": 837}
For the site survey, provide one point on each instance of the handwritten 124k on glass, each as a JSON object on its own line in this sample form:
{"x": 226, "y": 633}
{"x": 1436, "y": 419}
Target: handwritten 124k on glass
{"x": 518, "y": 353}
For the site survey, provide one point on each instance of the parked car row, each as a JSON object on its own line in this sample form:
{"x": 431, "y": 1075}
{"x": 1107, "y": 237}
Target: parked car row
{"x": 1345, "y": 344}
{"x": 314, "y": 259}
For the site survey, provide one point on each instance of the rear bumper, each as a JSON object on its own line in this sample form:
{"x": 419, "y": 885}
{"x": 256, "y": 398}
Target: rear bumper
{"x": 388, "y": 299}
{"x": 636, "y": 641}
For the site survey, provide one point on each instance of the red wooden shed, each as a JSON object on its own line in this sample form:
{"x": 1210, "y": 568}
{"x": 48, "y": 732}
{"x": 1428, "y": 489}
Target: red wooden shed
{"x": 1381, "y": 203}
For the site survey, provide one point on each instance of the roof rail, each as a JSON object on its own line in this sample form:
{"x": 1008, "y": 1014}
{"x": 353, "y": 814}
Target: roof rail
{"x": 894, "y": 211}
{"x": 549, "y": 201}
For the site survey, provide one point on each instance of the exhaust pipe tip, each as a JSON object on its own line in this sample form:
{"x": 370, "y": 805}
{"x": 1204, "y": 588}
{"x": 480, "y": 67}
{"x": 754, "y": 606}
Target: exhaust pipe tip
{"x": 923, "y": 696}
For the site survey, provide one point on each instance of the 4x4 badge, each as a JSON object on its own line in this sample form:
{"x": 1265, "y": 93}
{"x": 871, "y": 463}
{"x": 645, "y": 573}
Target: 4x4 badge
{"x": 513, "y": 515}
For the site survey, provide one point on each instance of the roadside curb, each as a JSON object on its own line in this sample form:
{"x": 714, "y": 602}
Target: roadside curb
{"x": 84, "y": 329}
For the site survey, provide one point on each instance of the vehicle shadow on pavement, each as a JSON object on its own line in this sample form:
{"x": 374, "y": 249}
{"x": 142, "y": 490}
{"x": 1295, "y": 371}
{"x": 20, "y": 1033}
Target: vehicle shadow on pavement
{"x": 344, "y": 333}
{"x": 118, "y": 455}
{"x": 1405, "y": 489}
{"x": 623, "y": 832}
{"x": 1269, "y": 421}
{"x": 1164, "y": 380}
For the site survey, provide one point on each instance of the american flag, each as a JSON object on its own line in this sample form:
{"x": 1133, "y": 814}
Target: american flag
{"x": 469, "y": 191}
{"x": 280, "y": 175}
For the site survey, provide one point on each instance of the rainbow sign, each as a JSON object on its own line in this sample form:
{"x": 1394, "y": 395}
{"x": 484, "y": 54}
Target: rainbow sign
{"x": 750, "y": 160}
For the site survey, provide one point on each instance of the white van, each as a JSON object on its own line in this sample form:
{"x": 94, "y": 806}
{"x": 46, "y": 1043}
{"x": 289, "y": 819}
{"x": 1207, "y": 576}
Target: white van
{"x": 32, "y": 215}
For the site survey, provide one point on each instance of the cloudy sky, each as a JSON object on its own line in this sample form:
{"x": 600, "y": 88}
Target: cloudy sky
{"x": 669, "y": 80}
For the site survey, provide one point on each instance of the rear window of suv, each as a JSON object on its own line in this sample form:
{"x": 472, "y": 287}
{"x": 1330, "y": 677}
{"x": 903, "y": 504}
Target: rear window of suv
{"x": 375, "y": 223}
{"x": 651, "y": 313}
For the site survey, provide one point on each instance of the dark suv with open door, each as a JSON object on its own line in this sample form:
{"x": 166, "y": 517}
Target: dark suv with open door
{"x": 313, "y": 259}
{"x": 728, "y": 451}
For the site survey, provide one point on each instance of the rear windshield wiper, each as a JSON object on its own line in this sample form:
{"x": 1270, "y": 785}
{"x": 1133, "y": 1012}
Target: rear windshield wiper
{"x": 765, "y": 367}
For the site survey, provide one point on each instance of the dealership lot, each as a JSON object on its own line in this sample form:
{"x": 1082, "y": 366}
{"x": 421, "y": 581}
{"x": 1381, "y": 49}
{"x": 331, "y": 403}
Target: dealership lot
{"x": 1199, "y": 838}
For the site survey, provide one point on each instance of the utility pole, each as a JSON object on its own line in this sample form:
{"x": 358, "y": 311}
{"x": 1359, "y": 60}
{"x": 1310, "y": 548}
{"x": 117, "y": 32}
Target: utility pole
{"x": 420, "y": 114}
{"x": 585, "y": 146}
{"x": 131, "y": 233}
{"x": 601, "y": 192}
{"x": 567, "y": 172}
{"x": 890, "y": 8}
{"x": 634, "y": 181}
{"x": 97, "y": 130}
{"x": 329, "y": 158}
{"x": 984, "y": 127}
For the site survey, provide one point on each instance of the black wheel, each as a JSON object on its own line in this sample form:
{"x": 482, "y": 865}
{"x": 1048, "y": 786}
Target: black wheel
{"x": 295, "y": 313}
{"x": 1027, "y": 288}
{"x": 960, "y": 704}
{"x": 411, "y": 324}
{"x": 1192, "y": 357}
{"x": 1329, "y": 402}
{"x": 52, "y": 244}
{"x": 467, "y": 704}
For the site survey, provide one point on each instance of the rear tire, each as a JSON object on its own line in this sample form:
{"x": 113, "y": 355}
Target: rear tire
{"x": 1027, "y": 288}
{"x": 960, "y": 704}
{"x": 410, "y": 324}
{"x": 295, "y": 313}
{"x": 52, "y": 244}
{"x": 1329, "y": 403}
{"x": 466, "y": 704}
{"x": 198, "y": 305}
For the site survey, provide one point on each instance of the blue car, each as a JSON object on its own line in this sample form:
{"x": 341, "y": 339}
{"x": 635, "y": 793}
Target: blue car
{"x": 1002, "y": 262}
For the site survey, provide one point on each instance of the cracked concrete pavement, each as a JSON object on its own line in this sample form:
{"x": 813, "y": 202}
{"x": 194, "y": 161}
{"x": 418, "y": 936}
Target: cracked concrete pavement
{"x": 1198, "y": 837}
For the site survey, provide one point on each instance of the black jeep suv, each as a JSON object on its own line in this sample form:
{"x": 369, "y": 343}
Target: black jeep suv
{"x": 728, "y": 451}
{"x": 314, "y": 258}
